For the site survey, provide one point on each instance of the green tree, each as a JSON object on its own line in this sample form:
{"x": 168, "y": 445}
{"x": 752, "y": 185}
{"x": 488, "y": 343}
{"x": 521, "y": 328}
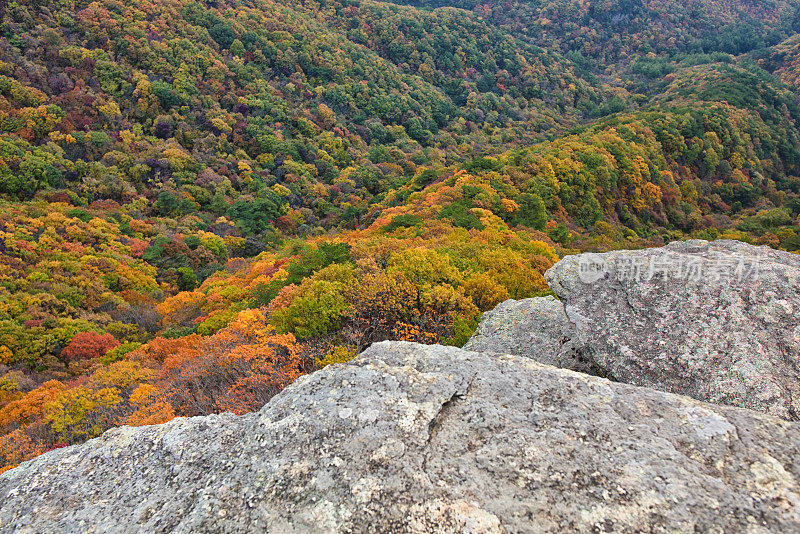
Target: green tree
{"x": 532, "y": 211}
{"x": 257, "y": 215}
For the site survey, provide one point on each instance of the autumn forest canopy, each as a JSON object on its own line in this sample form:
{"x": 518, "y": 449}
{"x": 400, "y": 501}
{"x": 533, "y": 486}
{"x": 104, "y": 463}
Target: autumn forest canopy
{"x": 202, "y": 201}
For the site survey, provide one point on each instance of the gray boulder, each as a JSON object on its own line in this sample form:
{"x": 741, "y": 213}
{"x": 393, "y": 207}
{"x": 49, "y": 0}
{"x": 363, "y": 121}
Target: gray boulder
{"x": 717, "y": 321}
{"x": 413, "y": 438}
{"x": 537, "y": 328}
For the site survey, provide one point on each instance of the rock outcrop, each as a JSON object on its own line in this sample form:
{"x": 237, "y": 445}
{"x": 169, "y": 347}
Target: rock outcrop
{"x": 413, "y": 438}
{"x": 537, "y": 328}
{"x": 717, "y": 321}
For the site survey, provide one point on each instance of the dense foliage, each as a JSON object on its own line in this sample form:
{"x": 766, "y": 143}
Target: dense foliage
{"x": 201, "y": 201}
{"x": 607, "y": 34}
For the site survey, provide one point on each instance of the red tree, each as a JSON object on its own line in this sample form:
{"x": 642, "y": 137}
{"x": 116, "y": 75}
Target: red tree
{"x": 86, "y": 345}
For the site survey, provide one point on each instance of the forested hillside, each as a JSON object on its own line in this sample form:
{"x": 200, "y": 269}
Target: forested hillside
{"x": 202, "y": 201}
{"x": 607, "y": 33}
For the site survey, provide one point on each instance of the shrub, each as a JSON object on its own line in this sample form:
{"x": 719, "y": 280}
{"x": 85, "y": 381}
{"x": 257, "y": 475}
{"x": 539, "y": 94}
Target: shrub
{"x": 338, "y": 354}
{"x": 402, "y": 221}
{"x": 314, "y": 311}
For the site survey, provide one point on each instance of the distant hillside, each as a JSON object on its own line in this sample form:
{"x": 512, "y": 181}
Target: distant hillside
{"x": 606, "y": 32}
{"x": 209, "y": 102}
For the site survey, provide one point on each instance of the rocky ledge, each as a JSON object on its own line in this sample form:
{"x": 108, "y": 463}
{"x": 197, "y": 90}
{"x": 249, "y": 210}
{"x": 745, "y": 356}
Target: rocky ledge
{"x": 414, "y": 438}
{"x": 717, "y": 321}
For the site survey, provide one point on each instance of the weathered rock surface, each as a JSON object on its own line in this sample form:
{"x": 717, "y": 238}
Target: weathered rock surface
{"x": 537, "y": 328}
{"x": 412, "y": 438}
{"x": 717, "y": 321}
